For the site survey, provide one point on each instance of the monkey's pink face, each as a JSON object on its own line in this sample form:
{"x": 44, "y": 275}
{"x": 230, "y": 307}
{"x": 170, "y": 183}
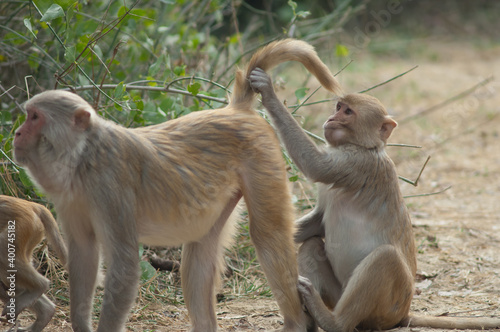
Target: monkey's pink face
{"x": 338, "y": 126}
{"x": 28, "y": 134}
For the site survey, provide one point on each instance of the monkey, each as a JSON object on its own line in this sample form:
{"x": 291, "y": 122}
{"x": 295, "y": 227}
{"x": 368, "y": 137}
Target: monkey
{"x": 22, "y": 226}
{"x": 169, "y": 184}
{"x": 357, "y": 260}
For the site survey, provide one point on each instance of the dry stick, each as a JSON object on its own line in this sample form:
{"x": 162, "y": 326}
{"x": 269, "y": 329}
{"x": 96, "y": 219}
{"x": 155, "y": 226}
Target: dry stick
{"x": 149, "y": 88}
{"x": 429, "y": 194}
{"x": 389, "y": 80}
{"x": 115, "y": 52}
{"x": 415, "y": 183}
{"x": 448, "y": 101}
{"x": 6, "y": 92}
{"x": 404, "y": 145}
{"x": 468, "y": 130}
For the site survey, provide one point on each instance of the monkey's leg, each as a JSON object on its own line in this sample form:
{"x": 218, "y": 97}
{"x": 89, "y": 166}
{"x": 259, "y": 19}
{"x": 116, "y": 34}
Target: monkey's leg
{"x": 121, "y": 282}
{"x": 44, "y": 309}
{"x": 314, "y": 265}
{"x": 271, "y": 230}
{"x": 83, "y": 262}
{"x": 200, "y": 270}
{"x": 379, "y": 293}
{"x": 30, "y": 286}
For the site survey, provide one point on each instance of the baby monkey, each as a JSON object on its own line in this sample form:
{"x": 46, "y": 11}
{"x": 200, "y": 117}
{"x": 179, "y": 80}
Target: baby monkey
{"x": 357, "y": 259}
{"x": 22, "y": 226}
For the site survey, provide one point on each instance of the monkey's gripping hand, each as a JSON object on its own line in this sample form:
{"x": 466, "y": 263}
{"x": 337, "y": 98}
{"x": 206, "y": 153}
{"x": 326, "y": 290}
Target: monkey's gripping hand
{"x": 315, "y": 306}
{"x": 307, "y": 291}
{"x": 261, "y": 83}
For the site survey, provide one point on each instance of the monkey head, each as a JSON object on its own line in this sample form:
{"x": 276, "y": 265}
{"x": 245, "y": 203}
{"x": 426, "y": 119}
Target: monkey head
{"x": 359, "y": 119}
{"x": 55, "y": 121}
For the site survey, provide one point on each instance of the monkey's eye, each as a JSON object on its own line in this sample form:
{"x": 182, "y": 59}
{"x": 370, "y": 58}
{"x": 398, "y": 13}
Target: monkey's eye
{"x": 338, "y": 106}
{"x": 34, "y": 116}
{"x": 349, "y": 111}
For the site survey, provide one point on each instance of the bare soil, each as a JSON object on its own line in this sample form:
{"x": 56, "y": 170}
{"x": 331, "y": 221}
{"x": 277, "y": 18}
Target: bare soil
{"x": 458, "y": 231}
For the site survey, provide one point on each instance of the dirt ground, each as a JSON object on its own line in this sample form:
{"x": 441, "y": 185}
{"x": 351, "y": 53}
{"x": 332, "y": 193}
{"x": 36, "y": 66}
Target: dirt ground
{"x": 458, "y": 231}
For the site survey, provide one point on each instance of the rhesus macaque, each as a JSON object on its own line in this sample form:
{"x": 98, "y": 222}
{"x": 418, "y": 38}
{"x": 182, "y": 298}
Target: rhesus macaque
{"x": 357, "y": 256}
{"x": 169, "y": 184}
{"x": 22, "y": 226}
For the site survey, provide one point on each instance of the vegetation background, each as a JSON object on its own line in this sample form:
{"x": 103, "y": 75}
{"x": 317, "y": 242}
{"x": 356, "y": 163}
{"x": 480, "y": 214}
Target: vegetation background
{"x": 144, "y": 62}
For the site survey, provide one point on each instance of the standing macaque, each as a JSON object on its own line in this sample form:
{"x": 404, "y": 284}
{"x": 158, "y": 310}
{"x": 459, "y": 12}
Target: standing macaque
{"x": 169, "y": 184}
{"x": 22, "y": 226}
{"x": 357, "y": 259}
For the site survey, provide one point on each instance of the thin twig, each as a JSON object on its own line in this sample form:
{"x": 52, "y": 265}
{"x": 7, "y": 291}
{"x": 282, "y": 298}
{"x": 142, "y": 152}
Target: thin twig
{"x": 308, "y": 97}
{"x": 115, "y": 52}
{"x": 428, "y": 194}
{"x": 415, "y": 183}
{"x": 404, "y": 145}
{"x": 10, "y": 160}
{"x": 468, "y": 130}
{"x": 389, "y": 80}
{"x": 448, "y": 101}
{"x": 343, "y": 68}
{"x": 6, "y": 92}
{"x": 196, "y": 78}
{"x": 148, "y": 88}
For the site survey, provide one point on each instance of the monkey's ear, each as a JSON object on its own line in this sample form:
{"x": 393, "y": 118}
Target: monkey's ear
{"x": 387, "y": 126}
{"x": 81, "y": 119}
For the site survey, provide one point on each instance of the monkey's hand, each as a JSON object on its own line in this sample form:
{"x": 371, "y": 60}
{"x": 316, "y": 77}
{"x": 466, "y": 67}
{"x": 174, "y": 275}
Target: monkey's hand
{"x": 315, "y": 305}
{"x": 306, "y": 289}
{"x": 261, "y": 83}
{"x": 309, "y": 295}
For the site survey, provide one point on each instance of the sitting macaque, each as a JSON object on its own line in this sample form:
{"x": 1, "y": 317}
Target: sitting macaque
{"x": 165, "y": 185}
{"x": 22, "y": 227}
{"x": 357, "y": 259}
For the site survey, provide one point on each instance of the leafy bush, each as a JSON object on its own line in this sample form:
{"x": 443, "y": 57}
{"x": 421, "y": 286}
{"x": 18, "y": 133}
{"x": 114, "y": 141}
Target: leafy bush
{"x": 138, "y": 64}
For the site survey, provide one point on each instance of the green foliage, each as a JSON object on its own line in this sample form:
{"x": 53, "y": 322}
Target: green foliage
{"x": 147, "y": 270}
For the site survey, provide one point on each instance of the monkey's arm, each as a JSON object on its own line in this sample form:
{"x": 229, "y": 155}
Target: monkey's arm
{"x": 315, "y": 164}
{"x": 310, "y": 225}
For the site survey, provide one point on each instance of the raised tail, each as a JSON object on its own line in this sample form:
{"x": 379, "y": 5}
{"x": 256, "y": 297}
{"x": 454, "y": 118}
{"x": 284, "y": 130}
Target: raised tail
{"x": 477, "y": 323}
{"x": 275, "y": 53}
{"x": 53, "y": 235}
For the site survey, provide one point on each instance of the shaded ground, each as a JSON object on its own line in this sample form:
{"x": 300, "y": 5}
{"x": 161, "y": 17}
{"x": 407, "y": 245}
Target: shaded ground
{"x": 458, "y": 231}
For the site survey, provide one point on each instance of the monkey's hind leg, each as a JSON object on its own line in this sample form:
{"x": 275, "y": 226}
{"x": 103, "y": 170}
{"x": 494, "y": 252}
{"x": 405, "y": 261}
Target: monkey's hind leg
{"x": 379, "y": 293}
{"x": 271, "y": 229}
{"x": 30, "y": 286}
{"x": 44, "y": 309}
{"x": 200, "y": 270}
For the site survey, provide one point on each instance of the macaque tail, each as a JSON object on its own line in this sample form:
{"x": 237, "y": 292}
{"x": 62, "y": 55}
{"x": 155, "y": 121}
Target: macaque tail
{"x": 53, "y": 236}
{"x": 451, "y": 322}
{"x": 272, "y": 55}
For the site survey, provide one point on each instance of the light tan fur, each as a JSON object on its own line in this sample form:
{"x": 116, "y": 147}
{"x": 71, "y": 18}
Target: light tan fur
{"x": 357, "y": 259}
{"x": 168, "y": 184}
{"x": 22, "y": 226}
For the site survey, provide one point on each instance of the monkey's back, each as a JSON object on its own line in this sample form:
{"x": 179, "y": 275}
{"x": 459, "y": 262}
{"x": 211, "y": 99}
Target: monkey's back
{"x": 194, "y": 165}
